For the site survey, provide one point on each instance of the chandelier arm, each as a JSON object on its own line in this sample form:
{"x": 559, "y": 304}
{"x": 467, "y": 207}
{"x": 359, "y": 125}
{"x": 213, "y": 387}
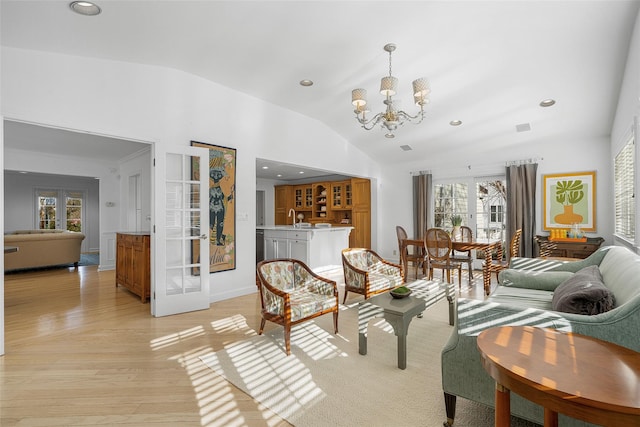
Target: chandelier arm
{"x": 371, "y": 123}
{"x": 411, "y": 118}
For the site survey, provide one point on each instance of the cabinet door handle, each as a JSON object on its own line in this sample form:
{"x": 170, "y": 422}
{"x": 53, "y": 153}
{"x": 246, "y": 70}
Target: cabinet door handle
{"x": 203, "y": 236}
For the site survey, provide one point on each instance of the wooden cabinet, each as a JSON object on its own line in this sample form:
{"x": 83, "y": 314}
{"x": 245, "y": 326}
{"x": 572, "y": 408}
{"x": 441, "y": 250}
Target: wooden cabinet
{"x": 321, "y": 205}
{"x": 361, "y": 214}
{"x": 341, "y": 195}
{"x": 574, "y": 249}
{"x": 133, "y": 263}
{"x": 283, "y": 202}
{"x": 346, "y": 202}
{"x": 303, "y": 198}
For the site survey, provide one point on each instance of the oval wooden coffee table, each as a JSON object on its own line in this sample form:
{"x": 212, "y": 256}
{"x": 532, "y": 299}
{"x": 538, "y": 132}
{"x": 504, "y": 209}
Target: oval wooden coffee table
{"x": 576, "y": 375}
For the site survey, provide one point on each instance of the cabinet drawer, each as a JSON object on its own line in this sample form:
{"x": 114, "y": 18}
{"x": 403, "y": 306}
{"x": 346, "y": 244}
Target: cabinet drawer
{"x": 275, "y": 234}
{"x": 298, "y": 235}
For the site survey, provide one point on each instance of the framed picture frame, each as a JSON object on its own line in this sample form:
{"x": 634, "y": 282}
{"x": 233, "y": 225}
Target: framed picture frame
{"x": 569, "y": 198}
{"x": 222, "y": 210}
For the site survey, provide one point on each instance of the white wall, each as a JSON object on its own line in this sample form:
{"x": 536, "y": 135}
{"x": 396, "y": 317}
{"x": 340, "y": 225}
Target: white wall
{"x": 140, "y": 165}
{"x": 171, "y": 108}
{"x": 20, "y": 205}
{"x": 628, "y": 110}
{"x": 569, "y": 154}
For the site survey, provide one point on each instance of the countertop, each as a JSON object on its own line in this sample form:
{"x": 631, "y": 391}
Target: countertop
{"x": 334, "y": 227}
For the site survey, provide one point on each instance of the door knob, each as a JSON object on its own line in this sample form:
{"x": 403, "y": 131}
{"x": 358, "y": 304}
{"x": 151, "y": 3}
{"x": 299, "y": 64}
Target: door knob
{"x": 203, "y": 236}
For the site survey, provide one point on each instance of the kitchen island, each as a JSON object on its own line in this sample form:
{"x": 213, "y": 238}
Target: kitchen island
{"x": 315, "y": 246}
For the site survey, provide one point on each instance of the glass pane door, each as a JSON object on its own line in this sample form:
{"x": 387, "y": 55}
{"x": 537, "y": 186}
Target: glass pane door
{"x": 47, "y": 209}
{"x": 182, "y": 264}
{"x": 74, "y": 205}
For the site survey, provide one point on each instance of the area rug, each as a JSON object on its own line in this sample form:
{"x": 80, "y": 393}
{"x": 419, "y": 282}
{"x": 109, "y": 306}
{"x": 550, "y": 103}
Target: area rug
{"x": 326, "y": 382}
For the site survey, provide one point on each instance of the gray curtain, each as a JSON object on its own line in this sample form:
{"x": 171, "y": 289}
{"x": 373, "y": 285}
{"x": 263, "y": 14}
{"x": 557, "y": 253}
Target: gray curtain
{"x": 422, "y": 189}
{"x": 521, "y": 205}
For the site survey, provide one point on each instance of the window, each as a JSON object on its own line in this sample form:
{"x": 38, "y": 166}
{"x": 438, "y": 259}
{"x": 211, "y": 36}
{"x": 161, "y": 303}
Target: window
{"x": 624, "y": 172}
{"x": 496, "y": 213}
{"x": 450, "y": 199}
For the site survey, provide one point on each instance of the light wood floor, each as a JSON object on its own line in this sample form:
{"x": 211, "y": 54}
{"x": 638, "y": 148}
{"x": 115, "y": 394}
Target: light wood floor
{"x": 80, "y": 351}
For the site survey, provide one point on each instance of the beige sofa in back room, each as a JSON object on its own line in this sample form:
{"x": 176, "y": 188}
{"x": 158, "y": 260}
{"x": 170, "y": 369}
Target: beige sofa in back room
{"x": 42, "y": 248}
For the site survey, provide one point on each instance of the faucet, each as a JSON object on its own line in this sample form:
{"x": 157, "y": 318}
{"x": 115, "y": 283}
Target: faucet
{"x": 293, "y": 220}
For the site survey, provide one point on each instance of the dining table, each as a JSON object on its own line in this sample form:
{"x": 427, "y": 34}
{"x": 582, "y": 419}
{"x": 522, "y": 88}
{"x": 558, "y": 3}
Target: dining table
{"x": 486, "y": 245}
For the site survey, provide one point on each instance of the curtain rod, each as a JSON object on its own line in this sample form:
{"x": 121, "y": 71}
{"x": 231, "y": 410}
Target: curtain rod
{"x": 523, "y": 162}
{"x": 420, "y": 172}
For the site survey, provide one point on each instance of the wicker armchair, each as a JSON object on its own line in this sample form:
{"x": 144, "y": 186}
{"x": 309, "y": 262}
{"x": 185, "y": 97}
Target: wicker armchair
{"x": 366, "y": 273}
{"x": 291, "y": 293}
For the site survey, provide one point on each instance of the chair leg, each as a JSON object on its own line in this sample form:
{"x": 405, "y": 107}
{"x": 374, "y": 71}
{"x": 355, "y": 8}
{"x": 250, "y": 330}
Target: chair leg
{"x": 287, "y": 338}
{"x": 262, "y": 323}
{"x": 335, "y": 321}
{"x": 344, "y": 300}
{"x": 450, "y": 408}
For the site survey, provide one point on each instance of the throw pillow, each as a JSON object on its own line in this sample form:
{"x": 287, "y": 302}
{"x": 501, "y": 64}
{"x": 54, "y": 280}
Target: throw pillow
{"x": 583, "y": 293}
{"x": 543, "y": 280}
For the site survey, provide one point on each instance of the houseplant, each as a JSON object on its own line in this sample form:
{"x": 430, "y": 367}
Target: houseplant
{"x": 456, "y": 221}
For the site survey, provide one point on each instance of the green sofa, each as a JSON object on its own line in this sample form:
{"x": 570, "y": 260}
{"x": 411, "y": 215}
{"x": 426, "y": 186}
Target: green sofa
{"x": 524, "y": 297}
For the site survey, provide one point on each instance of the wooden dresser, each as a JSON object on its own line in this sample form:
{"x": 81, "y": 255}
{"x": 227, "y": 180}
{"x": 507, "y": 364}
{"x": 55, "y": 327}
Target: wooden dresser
{"x": 133, "y": 263}
{"x": 574, "y": 249}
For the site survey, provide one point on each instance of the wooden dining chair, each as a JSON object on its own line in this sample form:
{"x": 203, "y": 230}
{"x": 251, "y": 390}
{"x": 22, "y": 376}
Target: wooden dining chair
{"x": 437, "y": 243}
{"x": 545, "y": 246}
{"x": 464, "y": 257}
{"x": 415, "y": 257}
{"x": 514, "y": 250}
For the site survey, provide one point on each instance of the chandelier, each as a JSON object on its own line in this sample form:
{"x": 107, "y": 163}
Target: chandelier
{"x": 391, "y": 118}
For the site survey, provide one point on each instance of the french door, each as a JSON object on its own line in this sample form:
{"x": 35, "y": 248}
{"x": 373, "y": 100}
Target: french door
{"x": 60, "y": 209}
{"x": 63, "y": 209}
{"x": 180, "y": 281}
{"x": 481, "y": 202}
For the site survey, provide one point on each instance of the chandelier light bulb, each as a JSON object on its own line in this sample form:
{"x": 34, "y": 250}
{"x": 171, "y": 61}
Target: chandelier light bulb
{"x": 359, "y": 98}
{"x": 388, "y": 86}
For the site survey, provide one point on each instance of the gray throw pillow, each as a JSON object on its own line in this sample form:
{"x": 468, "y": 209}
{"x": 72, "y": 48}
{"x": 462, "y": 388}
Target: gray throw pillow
{"x": 583, "y": 293}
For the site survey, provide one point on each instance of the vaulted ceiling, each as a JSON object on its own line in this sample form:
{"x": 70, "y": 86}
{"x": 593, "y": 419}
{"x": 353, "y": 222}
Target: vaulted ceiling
{"x": 489, "y": 63}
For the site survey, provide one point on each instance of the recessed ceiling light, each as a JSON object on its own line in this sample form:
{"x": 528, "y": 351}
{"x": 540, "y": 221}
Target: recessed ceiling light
{"x": 455, "y": 122}
{"x": 306, "y": 82}
{"x": 265, "y": 167}
{"x": 547, "y": 102}
{"x": 301, "y": 172}
{"x": 279, "y": 175}
{"x": 85, "y": 8}
{"x": 389, "y": 135}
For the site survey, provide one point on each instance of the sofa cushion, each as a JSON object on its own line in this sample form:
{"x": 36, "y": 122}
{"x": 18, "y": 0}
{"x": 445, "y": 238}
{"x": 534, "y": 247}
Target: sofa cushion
{"x": 583, "y": 293}
{"x": 545, "y": 280}
{"x": 522, "y": 297}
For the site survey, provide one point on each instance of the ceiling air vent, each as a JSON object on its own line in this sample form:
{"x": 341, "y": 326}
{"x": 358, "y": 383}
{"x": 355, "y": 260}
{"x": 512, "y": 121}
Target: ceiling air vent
{"x": 524, "y": 127}
{"x": 406, "y": 148}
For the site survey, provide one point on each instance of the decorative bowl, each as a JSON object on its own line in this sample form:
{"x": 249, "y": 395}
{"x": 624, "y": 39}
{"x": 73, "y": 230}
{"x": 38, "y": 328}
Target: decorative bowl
{"x": 398, "y": 292}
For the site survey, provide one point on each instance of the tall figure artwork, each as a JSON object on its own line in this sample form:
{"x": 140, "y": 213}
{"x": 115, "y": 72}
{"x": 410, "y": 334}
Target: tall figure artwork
{"x": 222, "y": 185}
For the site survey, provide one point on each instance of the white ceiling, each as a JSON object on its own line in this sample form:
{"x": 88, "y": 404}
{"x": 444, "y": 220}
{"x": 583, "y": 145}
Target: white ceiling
{"x": 489, "y": 63}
